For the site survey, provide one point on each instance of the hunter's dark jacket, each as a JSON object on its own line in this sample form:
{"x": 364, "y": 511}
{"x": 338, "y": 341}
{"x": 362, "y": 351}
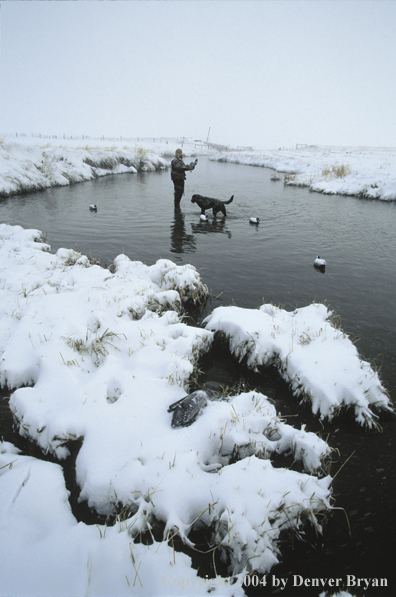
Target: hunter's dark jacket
{"x": 178, "y": 169}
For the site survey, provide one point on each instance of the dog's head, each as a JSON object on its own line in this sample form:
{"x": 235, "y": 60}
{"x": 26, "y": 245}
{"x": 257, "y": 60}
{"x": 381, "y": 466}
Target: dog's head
{"x": 194, "y": 198}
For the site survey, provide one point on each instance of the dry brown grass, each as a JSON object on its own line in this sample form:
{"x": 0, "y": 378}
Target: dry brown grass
{"x": 336, "y": 171}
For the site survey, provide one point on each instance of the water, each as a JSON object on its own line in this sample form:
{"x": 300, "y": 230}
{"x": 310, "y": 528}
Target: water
{"x": 273, "y": 262}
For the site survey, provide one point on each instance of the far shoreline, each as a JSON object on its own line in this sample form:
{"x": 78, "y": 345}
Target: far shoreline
{"x": 29, "y": 164}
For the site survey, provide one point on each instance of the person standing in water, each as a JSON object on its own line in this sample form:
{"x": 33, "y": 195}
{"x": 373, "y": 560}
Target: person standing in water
{"x": 178, "y": 174}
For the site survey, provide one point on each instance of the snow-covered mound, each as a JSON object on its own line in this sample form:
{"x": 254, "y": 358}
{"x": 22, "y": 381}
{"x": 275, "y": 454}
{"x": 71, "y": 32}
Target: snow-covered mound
{"x": 366, "y": 172}
{"x": 25, "y": 168}
{"x": 318, "y": 360}
{"x": 46, "y": 552}
{"x": 100, "y": 356}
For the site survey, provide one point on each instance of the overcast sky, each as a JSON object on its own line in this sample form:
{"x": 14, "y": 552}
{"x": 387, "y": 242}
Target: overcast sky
{"x": 264, "y": 73}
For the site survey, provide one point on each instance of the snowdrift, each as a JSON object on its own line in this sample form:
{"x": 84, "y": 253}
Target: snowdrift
{"x": 45, "y": 551}
{"x": 317, "y": 359}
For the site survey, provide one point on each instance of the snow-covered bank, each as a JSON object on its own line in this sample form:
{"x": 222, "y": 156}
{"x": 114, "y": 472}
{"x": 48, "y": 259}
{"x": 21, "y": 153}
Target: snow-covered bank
{"x": 365, "y": 172}
{"x": 99, "y": 356}
{"x": 46, "y": 552}
{"x": 29, "y": 164}
{"x": 319, "y": 361}
{"x": 24, "y": 169}
{"x": 33, "y": 164}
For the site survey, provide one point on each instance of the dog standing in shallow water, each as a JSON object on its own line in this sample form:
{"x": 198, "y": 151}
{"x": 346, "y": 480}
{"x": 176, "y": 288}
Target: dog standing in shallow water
{"x": 209, "y": 203}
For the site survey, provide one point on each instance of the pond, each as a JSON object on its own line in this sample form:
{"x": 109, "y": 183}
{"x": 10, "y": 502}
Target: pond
{"x": 247, "y": 264}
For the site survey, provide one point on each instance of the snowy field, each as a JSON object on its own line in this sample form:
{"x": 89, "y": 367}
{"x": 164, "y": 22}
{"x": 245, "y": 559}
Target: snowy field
{"x": 28, "y": 163}
{"x": 362, "y": 171}
{"x": 98, "y": 356}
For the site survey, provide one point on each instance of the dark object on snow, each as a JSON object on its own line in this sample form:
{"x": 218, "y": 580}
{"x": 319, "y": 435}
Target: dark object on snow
{"x": 210, "y": 203}
{"x": 187, "y": 410}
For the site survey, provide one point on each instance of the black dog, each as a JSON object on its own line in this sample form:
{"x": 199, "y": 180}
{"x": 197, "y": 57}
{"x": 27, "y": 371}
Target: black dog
{"x": 209, "y": 203}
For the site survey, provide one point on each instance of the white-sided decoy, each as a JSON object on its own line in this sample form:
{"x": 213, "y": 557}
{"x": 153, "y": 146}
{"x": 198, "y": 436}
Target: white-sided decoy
{"x": 319, "y": 262}
{"x": 254, "y": 220}
{"x": 93, "y": 208}
{"x": 203, "y": 217}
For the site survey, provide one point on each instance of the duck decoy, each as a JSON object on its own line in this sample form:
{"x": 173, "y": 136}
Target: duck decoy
{"x": 319, "y": 262}
{"x": 254, "y": 220}
{"x": 187, "y": 410}
{"x": 93, "y": 208}
{"x": 203, "y": 217}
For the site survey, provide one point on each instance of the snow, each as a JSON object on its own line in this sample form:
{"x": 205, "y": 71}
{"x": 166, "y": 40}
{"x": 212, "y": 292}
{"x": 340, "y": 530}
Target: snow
{"x": 31, "y": 164}
{"x": 25, "y": 168}
{"x": 45, "y": 551}
{"x": 361, "y": 171}
{"x": 317, "y": 359}
{"x": 28, "y": 163}
{"x": 99, "y": 356}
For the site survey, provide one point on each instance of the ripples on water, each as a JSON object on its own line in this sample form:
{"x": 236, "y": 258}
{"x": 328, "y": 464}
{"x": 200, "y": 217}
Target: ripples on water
{"x": 271, "y": 262}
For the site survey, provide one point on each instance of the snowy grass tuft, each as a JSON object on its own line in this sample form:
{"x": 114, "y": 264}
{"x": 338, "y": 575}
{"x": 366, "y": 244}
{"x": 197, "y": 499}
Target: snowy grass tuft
{"x": 45, "y": 551}
{"x": 316, "y": 358}
{"x": 337, "y": 171}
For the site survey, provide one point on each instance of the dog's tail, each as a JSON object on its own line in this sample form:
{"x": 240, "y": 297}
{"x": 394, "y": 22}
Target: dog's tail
{"x": 229, "y": 200}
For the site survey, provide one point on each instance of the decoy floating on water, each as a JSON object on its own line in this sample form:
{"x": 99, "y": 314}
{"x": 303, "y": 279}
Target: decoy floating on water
{"x": 254, "y": 220}
{"x": 319, "y": 262}
{"x": 93, "y": 208}
{"x": 203, "y": 217}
